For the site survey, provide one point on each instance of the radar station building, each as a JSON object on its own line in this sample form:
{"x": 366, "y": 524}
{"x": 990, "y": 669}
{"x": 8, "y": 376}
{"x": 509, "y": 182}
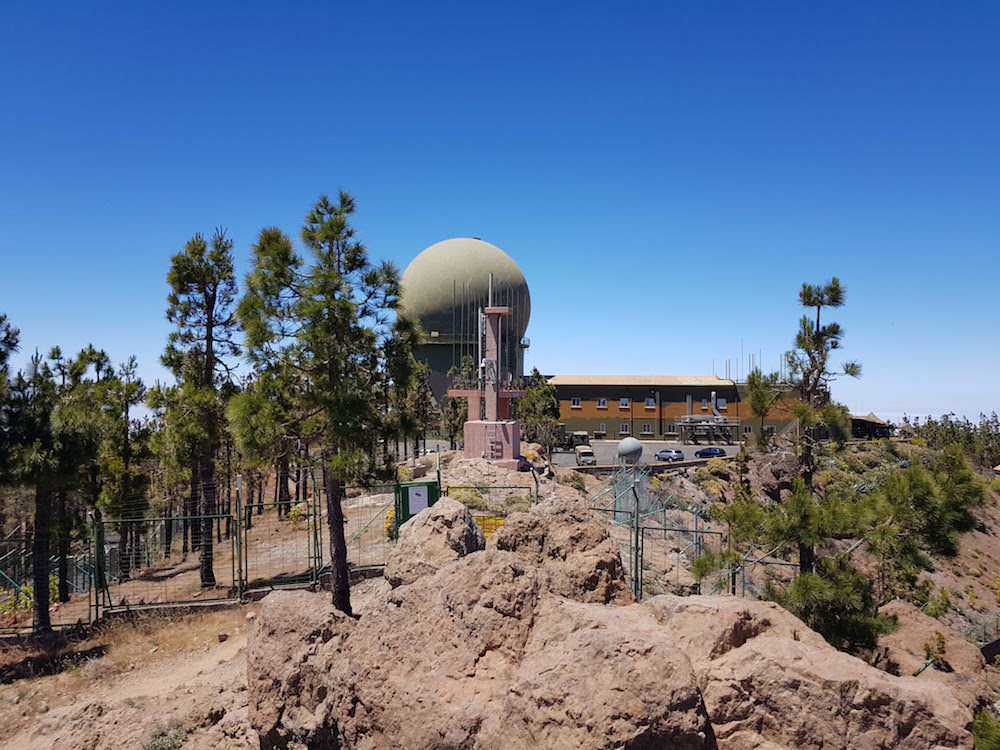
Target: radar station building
{"x": 445, "y": 287}
{"x": 691, "y": 409}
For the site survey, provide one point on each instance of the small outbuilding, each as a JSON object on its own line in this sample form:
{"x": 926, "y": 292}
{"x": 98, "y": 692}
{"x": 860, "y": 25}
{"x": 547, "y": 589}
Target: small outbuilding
{"x": 869, "y": 427}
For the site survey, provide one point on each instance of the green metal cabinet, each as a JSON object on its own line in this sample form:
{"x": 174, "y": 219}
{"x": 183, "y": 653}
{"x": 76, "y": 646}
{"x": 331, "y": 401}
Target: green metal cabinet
{"x": 413, "y": 497}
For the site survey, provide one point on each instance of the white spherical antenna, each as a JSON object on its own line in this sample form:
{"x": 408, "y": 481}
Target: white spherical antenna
{"x": 630, "y": 450}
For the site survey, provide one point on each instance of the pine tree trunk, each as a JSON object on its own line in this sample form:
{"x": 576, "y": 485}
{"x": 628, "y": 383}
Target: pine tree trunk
{"x": 207, "y": 507}
{"x": 229, "y": 492}
{"x": 339, "y": 580}
{"x": 40, "y": 558}
{"x": 284, "y": 497}
{"x": 249, "y": 505}
{"x": 64, "y": 530}
{"x": 168, "y": 530}
{"x": 260, "y": 495}
{"x": 138, "y": 558}
{"x": 807, "y": 558}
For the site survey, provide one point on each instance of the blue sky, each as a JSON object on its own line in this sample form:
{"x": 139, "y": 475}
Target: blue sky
{"x": 666, "y": 175}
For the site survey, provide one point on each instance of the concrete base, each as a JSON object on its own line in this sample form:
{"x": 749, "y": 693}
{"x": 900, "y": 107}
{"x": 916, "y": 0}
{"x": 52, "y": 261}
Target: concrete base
{"x": 499, "y": 442}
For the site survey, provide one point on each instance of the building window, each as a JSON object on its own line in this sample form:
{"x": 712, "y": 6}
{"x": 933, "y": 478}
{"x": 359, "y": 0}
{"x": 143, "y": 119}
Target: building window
{"x": 624, "y": 429}
{"x": 722, "y": 403}
{"x": 704, "y": 404}
{"x": 747, "y": 428}
{"x": 576, "y": 402}
{"x": 602, "y": 403}
{"x": 647, "y": 429}
{"x": 650, "y": 403}
{"x": 602, "y": 431}
{"x": 623, "y": 402}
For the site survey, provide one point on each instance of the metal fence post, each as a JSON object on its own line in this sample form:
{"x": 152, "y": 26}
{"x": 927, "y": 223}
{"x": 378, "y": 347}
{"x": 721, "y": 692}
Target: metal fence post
{"x": 238, "y": 536}
{"x": 636, "y": 564}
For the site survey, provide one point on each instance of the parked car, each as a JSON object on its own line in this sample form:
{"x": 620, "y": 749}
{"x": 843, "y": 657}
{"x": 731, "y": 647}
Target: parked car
{"x": 710, "y": 452}
{"x": 585, "y": 456}
{"x": 670, "y": 454}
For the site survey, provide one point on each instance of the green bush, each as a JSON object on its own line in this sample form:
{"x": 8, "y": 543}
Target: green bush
{"x": 938, "y": 605}
{"x": 404, "y": 473}
{"x": 985, "y": 731}
{"x": 296, "y": 516}
{"x": 710, "y": 561}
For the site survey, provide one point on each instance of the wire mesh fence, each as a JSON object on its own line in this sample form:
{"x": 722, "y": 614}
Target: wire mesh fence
{"x": 138, "y": 563}
{"x": 667, "y": 555}
{"x": 369, "y": 525}
{"x": 17, "y": 586}
{"x": 491, "y": 499}
{"x": 142, "y": 562}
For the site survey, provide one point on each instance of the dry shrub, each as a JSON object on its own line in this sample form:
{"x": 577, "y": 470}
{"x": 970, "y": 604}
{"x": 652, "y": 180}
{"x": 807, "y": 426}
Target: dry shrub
{"x": 508, "y": 505}
{"x": 468, "y": 495}
{"x": 573, "y": 479}
{"x": 717, "y": 468}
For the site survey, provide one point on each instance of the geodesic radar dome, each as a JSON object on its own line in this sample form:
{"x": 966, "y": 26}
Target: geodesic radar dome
{"x": 445, "y": 285}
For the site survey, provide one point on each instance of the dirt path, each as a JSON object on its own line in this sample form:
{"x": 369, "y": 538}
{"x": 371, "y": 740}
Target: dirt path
{"x": 187, "y": 682}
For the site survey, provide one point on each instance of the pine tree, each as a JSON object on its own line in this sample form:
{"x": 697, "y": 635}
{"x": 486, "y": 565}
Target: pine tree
{"x": 34, "y": 461}
{"x": 809, "y": 366}
{"x": 201, "y": 307}
{"x": 763, "y": 394}
{"x": 331, "y": 318}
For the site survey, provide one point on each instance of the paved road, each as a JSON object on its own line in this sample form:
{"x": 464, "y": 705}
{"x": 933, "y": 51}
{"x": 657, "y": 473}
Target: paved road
{"x": 606, "y": 451}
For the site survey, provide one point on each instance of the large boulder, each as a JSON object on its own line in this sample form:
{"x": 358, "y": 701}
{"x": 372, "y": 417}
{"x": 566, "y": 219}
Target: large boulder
{"x": 571, "y": 543}
{"x": 437, "y": 535}
{"x": 484, "y": 654}
{"x": 768, "y": 681}
{"x": 962, "y": 668}
{"x": 298, "y": 638}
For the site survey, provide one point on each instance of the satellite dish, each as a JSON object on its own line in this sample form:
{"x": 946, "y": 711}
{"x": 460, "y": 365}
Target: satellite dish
{"x": 525, "y": 342}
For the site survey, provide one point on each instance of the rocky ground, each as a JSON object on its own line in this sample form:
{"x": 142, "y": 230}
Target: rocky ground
{"x": 529, "y": 639}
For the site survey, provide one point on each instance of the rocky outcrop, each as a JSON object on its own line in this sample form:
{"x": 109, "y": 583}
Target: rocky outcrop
{"x": 773, "y": 473}
{"x": 768, "y": 681}
{"x": 517, "y": 648}
{"x": 571, "y": 543}
{"x": 298, "y": 639}
{"x": 962, "y": 667}
{"x": 437, "y": 535}
{"x": 481, "y": 654}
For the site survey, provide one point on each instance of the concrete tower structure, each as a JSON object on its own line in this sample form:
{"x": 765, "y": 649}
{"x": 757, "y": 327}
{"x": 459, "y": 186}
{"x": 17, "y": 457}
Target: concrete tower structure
{"x": 489, "y": 431}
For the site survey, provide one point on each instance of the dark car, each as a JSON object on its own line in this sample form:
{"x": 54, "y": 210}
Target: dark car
{"x": 711, "y": 452}
{"x": 670, "y": 454}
